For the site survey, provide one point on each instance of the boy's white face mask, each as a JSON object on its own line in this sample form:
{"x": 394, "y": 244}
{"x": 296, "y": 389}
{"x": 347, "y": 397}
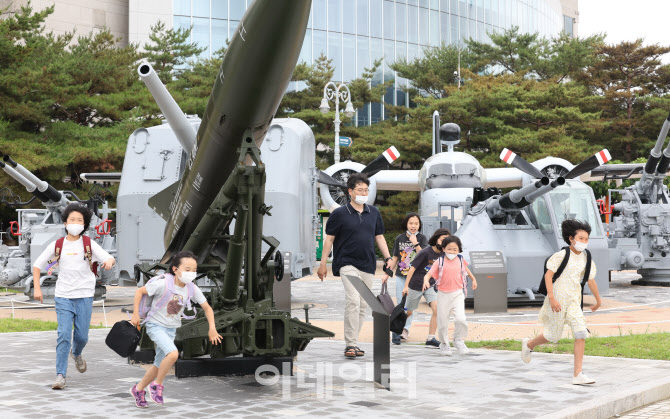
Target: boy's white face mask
{"x": 450, "y": 256}
{"x": 579, "y": 246}
{"x": 74, "y": 229}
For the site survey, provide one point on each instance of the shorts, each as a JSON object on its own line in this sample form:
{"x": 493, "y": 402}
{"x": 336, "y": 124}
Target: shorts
{"x": 414, "y": 297}
{"x": 163, "y": 338}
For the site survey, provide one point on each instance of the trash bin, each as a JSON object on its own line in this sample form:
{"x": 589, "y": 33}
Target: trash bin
{"x": 491, "y": 273}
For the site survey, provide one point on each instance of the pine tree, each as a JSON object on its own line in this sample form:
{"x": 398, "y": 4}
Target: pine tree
{"x": 621, "y": 82}
{"x": 170, "y": 49}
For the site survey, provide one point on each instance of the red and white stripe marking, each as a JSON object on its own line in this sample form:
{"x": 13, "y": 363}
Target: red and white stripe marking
{"x": 391, "y": 154}
{"x": 507, "y": 156}
{"x": 603, "y": 156}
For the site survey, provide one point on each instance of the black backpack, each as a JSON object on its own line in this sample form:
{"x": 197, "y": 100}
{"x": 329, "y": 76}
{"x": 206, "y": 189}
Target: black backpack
{"x": 542, "y": 289}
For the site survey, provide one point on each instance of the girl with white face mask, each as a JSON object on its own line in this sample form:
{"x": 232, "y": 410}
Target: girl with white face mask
{"x": 162, "y": 323}
{"x": 73, "y": 256}
{"x": 451, "y": 272}
{"x": 563, "y": 304}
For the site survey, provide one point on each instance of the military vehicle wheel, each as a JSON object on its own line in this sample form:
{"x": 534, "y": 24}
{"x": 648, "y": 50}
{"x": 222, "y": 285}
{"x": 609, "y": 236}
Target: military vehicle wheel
{"x": 279, "y": 266}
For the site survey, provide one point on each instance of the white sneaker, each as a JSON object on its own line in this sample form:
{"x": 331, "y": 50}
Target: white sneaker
{"x": 59, "y": 384}
{"x": 525, "y": 351}
{"x": 462, "y": 349}
{"x": 445, "y": 349}
{"x": 582, "y": 379}
{"x": 405, "y": 334}
{"x": 79, "y": 362}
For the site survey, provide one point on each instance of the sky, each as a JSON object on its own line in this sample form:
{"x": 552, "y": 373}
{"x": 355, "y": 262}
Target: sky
{"x": 626, "y": 20}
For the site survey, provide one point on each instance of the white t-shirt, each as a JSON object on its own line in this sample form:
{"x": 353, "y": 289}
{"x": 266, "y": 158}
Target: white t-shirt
{"x": 170, "y": 314}
{"x": 75, "y": 279}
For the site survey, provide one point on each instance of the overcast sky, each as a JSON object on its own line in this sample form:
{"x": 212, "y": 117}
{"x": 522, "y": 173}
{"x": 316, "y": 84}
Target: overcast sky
{"x": 626, "y": 20}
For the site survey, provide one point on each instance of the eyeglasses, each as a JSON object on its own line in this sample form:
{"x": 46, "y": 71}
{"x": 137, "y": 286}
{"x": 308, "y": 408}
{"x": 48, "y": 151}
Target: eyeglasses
{"x": 362, "y": 191}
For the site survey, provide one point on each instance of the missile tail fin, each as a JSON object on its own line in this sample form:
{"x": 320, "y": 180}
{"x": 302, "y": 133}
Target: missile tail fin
{"x": 162, "y": 200}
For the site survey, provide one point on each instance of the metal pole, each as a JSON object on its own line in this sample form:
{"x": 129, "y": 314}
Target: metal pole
{"x": 337, "y": 124}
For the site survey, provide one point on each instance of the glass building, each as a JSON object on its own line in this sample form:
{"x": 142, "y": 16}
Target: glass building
{"x": 355, "y": 33}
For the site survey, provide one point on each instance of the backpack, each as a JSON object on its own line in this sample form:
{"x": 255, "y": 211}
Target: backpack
{"x": 88, "y": 254}
{"x": 542, "y": 289}
{"x": 464, "y": 273}
{"x": 146, "y": 311}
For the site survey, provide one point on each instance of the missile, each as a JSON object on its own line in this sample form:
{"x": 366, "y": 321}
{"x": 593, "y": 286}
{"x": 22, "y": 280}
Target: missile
{"x": 254, "y": 75}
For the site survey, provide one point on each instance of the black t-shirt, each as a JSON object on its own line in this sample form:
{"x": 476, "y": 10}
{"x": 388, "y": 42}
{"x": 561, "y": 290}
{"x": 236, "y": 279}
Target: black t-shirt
{"x": 354, "y": 233}
{"x": 405, "y": 251}
{"x": 422, "y": 264}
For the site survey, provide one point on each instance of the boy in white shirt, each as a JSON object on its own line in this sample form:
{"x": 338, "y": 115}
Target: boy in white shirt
{"x": 74, "y": 288}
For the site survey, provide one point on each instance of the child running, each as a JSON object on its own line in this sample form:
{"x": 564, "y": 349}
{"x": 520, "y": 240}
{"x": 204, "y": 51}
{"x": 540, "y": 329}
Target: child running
{"x": 162, "y": 323}
{"x": 563, "y": 304}
{"x": 75, "y": 256}
{"x": 451, "y": 271}
{"x": 405, "y": 248}
{"x": 414, "y": 283}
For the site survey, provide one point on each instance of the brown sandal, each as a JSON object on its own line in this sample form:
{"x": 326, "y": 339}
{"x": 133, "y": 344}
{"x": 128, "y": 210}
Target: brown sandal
{"x": 359, "y": 351}
{"x": 350, "y": 352}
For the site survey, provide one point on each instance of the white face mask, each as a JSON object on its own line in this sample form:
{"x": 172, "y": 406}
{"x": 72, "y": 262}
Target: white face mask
{"x": 187, "y": 277}
{"x": 74, "y": 229}
{"x": 579, "y": 246}
{"x": 360, "y": 200}
{"x": 450, "y": 256}
{"x": 409, "y": 233}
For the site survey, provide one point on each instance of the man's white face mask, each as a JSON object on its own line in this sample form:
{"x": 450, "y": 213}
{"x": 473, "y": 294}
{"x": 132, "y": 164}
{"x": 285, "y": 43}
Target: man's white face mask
{"x": 361, "y": 199}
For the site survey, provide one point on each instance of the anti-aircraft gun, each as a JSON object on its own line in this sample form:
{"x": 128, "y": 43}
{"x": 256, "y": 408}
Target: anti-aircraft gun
{"x": 217, "y": 206}
{"x": 37, "y": 228}
{"x": 524, "y": 224}
{"x": 640, "y": 234}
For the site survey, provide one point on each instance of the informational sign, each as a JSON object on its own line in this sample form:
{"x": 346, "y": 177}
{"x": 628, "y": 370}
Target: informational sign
{"x": 346, "y": 141}
{"x": 491, "y": 261}
{"x": 491, "y": 273}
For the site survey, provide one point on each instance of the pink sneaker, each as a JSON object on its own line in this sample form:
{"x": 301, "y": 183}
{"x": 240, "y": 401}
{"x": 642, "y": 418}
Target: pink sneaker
{"x": 156, "y": 392}
{"x": 140, "y": 401}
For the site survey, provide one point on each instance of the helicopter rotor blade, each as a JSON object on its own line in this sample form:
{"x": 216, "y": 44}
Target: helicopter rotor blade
{"x": 510, "y": 157}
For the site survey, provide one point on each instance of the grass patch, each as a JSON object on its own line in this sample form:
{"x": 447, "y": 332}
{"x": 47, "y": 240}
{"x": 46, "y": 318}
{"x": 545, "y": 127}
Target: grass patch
{"x": 10, "y": 325}
{"x": 10, "y": 290}
{"x": 642, "y": 346}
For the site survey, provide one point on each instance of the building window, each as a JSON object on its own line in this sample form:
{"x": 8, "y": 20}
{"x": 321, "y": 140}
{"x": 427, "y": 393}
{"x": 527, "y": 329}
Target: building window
{"x": 568, "y": 25}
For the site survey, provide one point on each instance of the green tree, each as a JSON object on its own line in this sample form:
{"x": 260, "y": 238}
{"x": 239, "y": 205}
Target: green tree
{"x": 435, "y": 70}
{"x": 169, "y": 49}
{"x": 29, "y": 68}
{"x": 622, "y": 83}
{"x": 527, "y": 53}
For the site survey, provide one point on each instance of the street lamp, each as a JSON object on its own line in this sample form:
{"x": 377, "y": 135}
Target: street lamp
{"x": 333, "y": 92}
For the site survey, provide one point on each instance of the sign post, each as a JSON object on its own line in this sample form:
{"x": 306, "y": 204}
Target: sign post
{"x": 346, "y": 141}
{"x": 491, "y": 293}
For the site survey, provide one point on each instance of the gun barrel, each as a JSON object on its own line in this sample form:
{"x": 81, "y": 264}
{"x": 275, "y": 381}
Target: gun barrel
{"x": 30, "y": 187}
{"x": 47, "y": 190}
{"x": 517, "y": 198}
{"x": 545, "y": 189}
{"x": 655, "y": 155}
{"x": 173, "y": 114}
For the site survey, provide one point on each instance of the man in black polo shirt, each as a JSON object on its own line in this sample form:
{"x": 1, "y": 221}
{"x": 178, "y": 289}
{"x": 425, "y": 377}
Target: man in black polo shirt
{"x": 353, "y": 230}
